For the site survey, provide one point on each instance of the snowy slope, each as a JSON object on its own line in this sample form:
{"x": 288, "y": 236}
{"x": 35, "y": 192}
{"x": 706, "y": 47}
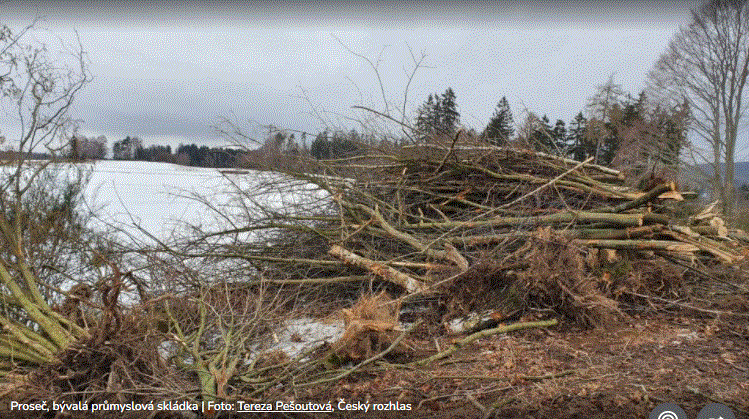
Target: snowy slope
{"x": 161, "y": 197}
{"x": 150, "y": 195}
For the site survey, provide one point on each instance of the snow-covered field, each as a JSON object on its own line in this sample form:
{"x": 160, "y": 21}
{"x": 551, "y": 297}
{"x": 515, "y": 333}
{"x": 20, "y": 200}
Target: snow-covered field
{"x": 130, "y": 194}
{"x": 161, "y": 197}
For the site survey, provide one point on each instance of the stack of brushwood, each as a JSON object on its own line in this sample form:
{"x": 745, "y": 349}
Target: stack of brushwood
{"x": 477, "y": 227}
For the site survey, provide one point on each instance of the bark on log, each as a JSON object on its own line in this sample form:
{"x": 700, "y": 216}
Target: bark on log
{"x": 587, "y": 233}
{"x": 654, "y": 193}
{"x": 666, "y": 245}
{"x": 629, "y": 220}
{"x": 383, "y": 271}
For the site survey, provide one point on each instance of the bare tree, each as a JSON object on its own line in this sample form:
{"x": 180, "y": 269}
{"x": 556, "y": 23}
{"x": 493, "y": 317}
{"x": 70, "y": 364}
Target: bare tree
{"x": 705, "y": 66}
{"x": 599, "y": 107}
{"x": 37, "y": 90}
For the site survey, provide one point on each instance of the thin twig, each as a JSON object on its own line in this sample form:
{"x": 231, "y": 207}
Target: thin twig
{"x": 449, "y": 152}
{"x": 405, "y": 125}
{"x": 688, "y": 306}
{"x": 484, "y": 333}
{"x": 545, "y": 185}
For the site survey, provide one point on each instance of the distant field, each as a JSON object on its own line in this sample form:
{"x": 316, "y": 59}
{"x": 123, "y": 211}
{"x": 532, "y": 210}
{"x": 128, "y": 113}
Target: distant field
{"x": 151, "y": 195}
{"x": 159, "y": 197}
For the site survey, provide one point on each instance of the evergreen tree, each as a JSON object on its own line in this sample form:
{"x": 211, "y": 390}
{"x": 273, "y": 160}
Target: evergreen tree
{"x": 674, "y": 129}
{"x": 648, "y": 140}
{"x": 559, "y": 137}
{"x": 125, "y": 149}
{"x": 343, "y": 145}
{"x": 580, "y": 149}
{"x": 141, "y": 154}
{"x": 449, "y": 117}
{"x": 435, "y": 117}
{"x": 320, "y": 147}
{"x": 438, "y": 115}
{"x": 304, "y": 142}
{"x": 501, "y": 126}
{"x": 542, "y": 138}
{"x": 600, "y": 106}
{"x": 425, "y": 120}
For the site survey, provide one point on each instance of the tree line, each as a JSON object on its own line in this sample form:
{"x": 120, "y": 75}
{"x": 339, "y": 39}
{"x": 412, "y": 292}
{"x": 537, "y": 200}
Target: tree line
{"x": 82, "y": 148}
{"x": 327, "y": 144}
{"x": 615, "y": 129}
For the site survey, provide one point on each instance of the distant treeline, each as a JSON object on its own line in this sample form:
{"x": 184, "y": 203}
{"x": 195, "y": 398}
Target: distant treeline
{"x": 279, "y": 145}
{"x": 131, "y": 148}
{"x": 616, "y": 129}
{"x": 13, "y": 155}
{"x": 619, "y": 129}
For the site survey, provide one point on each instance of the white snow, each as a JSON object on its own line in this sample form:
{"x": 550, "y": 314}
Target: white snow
{"x": 145, "y": 194}
{"x": 303, "y": 335}
{"x": 161, "y": 198}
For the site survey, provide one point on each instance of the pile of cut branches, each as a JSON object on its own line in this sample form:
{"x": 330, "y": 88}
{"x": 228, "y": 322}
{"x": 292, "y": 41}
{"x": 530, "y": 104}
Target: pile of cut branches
{"x": 478, "y": 226}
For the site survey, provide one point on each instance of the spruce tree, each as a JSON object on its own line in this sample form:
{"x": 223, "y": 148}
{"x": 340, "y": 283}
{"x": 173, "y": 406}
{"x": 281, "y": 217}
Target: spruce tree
{"x": 425, "y": 120}
{"x": 559, "y": 137}
{"x": 580, "y": 148}
{"x": 448, "y": 112}
{"x": 438, "y": 115}
{"x": 541, "y": 138}
{"x": 435, "y": 116}
{"x": 501, "y": 126}
{"x": 321, "y": 147}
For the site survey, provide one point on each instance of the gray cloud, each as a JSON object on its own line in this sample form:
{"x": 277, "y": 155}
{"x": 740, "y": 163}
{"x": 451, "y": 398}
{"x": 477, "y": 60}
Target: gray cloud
{"x": 169, "y": 70}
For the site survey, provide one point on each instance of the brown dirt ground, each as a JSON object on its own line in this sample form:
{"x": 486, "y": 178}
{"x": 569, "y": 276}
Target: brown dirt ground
{"x": 620, "y": 371}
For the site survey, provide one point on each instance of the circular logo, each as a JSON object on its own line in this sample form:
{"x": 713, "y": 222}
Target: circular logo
{"x": 668, "y": 411}
{"x": 716, "y": 411}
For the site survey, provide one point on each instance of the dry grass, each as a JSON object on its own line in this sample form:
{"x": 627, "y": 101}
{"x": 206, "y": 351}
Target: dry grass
{"x": 558, "y": 278}
{"x": 370, "y": 327}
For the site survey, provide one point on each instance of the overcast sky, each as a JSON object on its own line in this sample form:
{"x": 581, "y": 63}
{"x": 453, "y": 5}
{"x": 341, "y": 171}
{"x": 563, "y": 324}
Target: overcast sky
{"x": 167, "y": 71}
